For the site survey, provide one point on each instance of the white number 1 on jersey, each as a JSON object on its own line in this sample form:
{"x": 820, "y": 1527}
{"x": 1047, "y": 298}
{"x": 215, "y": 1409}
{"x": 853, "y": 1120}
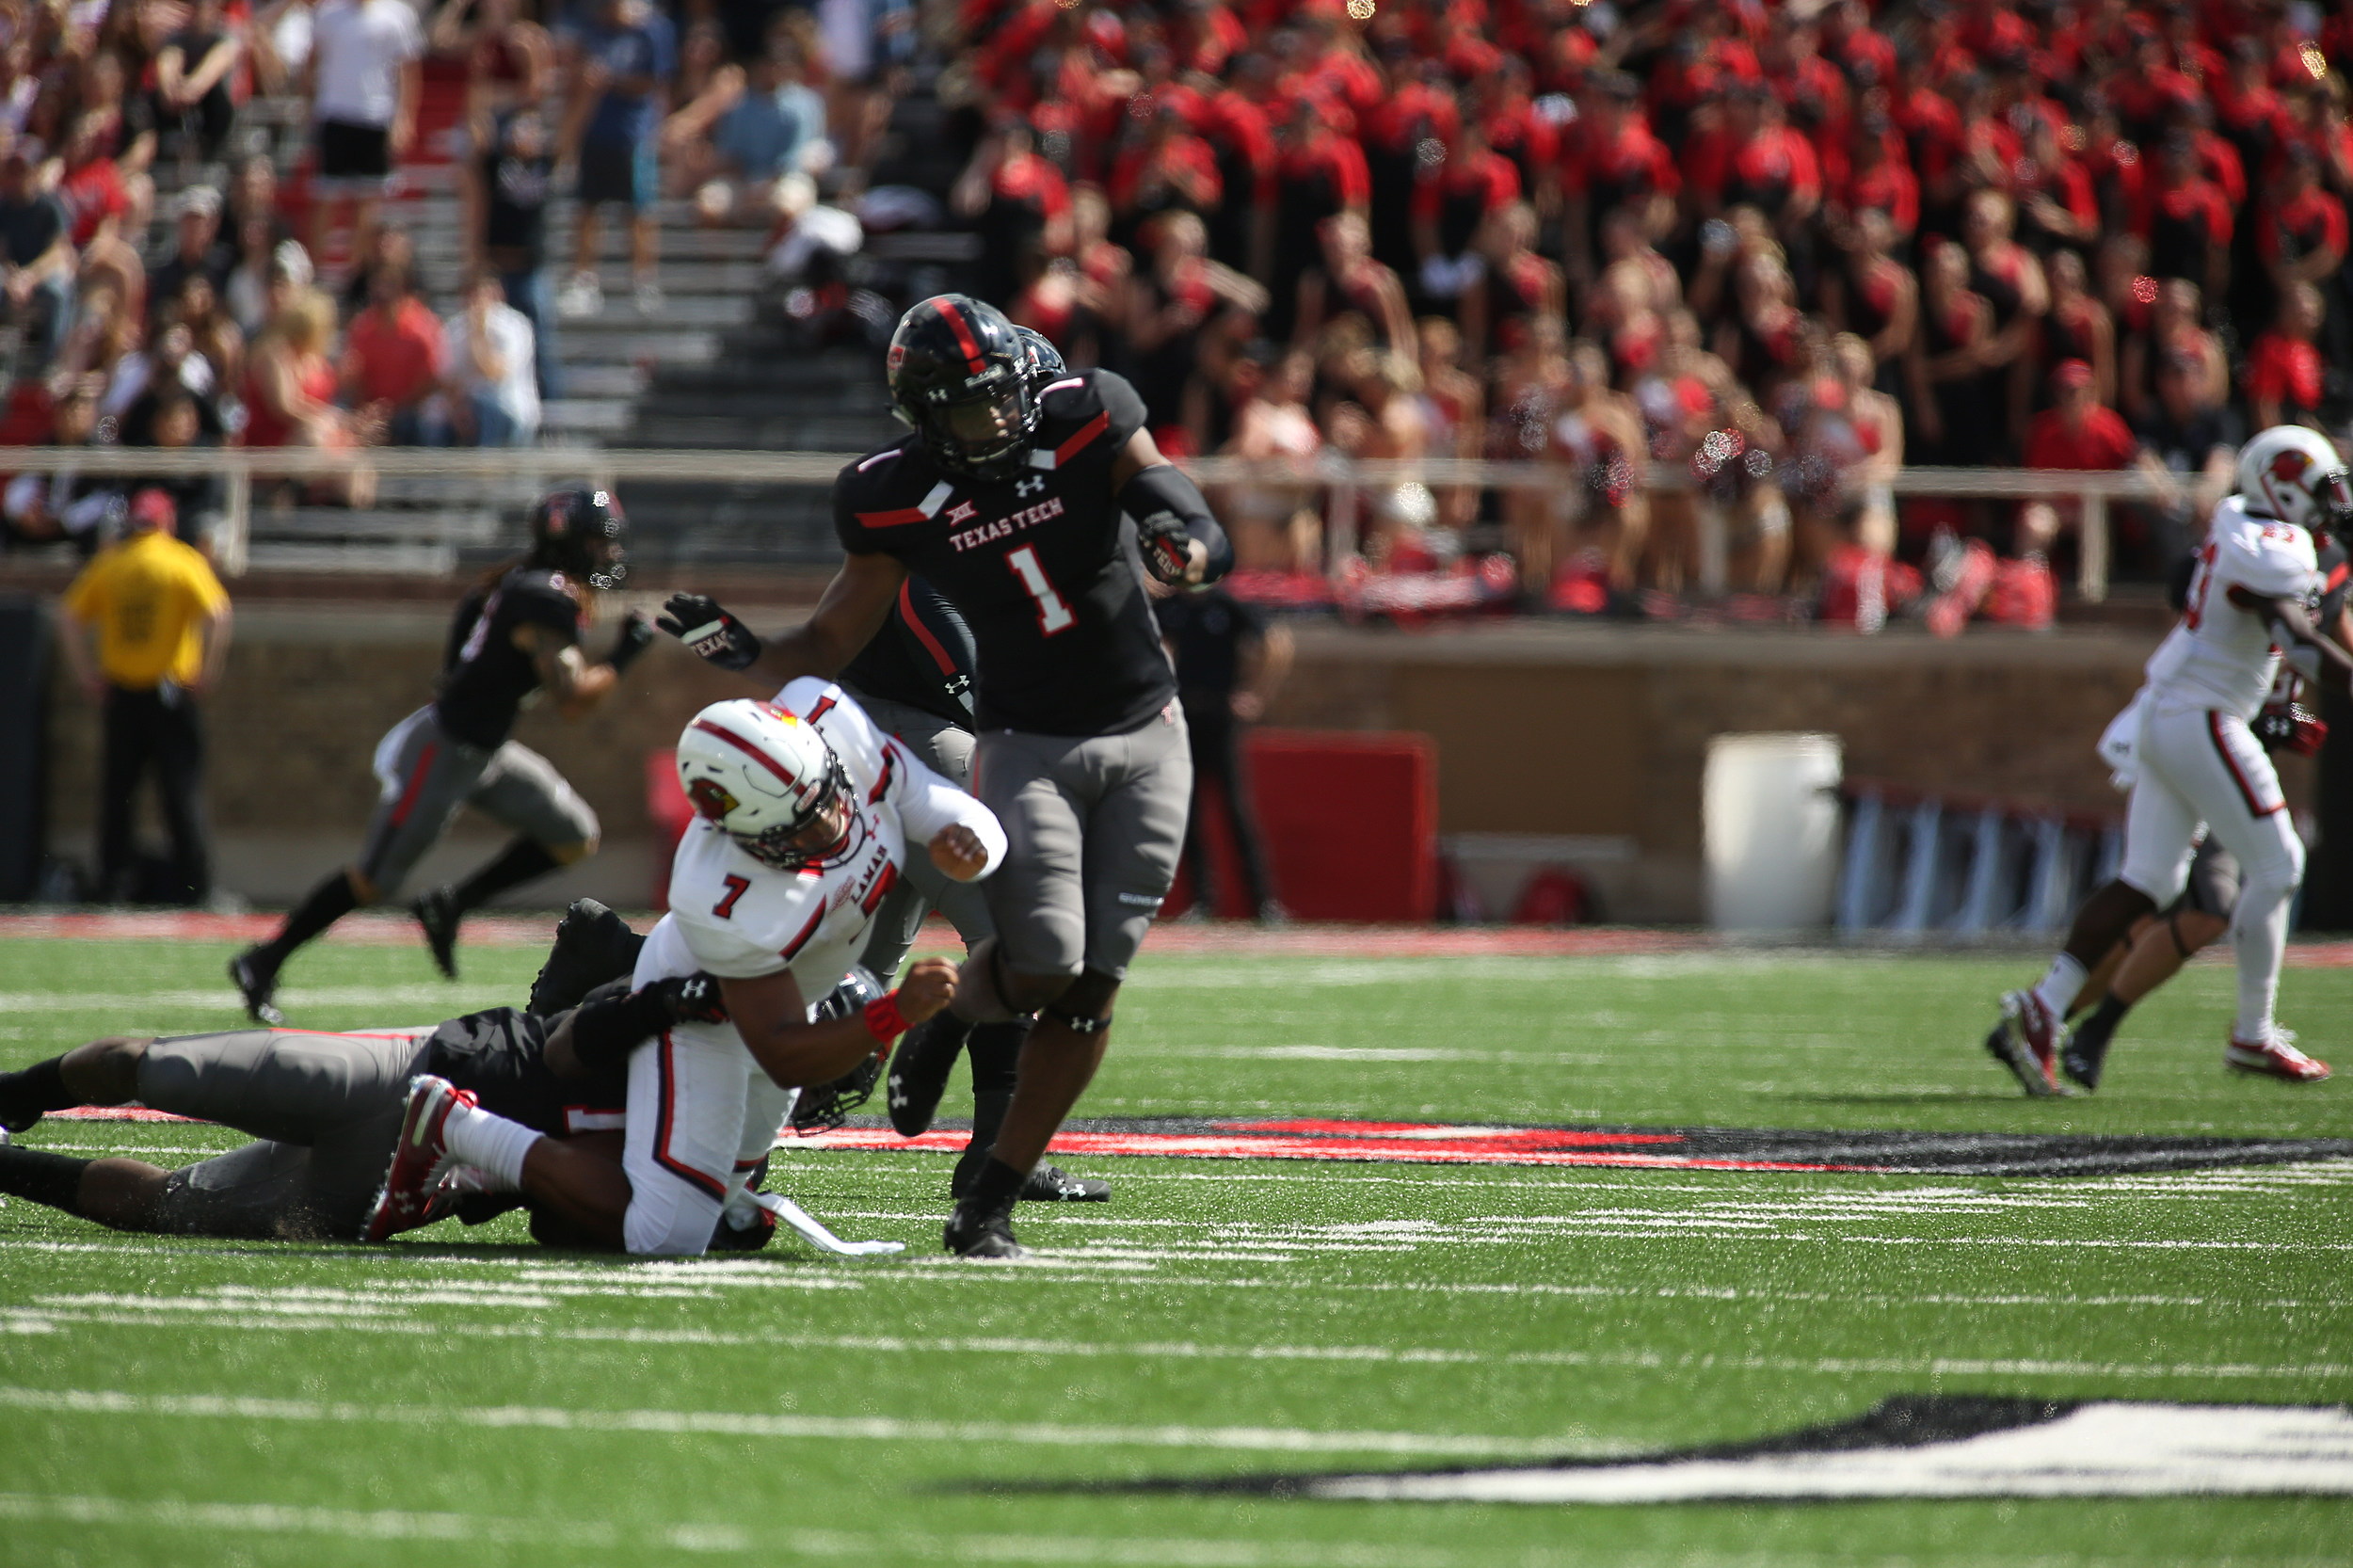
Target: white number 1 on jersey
{"x": 1053, "y": 613}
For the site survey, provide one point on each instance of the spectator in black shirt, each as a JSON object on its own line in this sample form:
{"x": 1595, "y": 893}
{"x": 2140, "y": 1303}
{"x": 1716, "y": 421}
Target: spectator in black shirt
{"x": 35, "y": 244}
{"x": 192, "y": 71}
{"x": 199, "y": 250}
{"x": 2197, "y": 439}
{"x": 1229, "y": 660}
{"x": 517, "y": 176}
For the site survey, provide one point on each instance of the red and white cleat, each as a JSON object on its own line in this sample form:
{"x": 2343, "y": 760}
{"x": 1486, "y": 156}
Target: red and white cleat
{"x": 2275, "y": 1057}
{"x": 2026, "y": 1041}
{"x": 413, "y": 1181}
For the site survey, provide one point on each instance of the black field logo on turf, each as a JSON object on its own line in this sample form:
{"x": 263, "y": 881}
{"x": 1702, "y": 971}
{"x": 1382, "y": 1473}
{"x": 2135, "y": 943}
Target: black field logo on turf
{"x": 1910, "y": 1446}
{"x": 1706, "y": 1148}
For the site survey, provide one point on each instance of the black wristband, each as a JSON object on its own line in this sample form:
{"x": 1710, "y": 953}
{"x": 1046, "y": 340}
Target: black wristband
{"x": 606, "y": 1032}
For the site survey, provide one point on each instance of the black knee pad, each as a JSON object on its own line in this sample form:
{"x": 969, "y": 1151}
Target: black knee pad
{"x": 1085, "y": 1008}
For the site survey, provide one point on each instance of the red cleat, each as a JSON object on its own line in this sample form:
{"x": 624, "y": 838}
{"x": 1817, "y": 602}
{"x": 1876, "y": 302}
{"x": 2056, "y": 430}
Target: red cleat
{"x": 2026, "y": 1042}
{"x": 412, "y": 1183}
{"x": 2275, "y": 1057}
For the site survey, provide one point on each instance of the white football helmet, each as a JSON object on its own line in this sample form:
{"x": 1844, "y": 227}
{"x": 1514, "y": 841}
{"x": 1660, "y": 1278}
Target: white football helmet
{"x": 2296, "y": 475}
{"x": 770, "y": 782}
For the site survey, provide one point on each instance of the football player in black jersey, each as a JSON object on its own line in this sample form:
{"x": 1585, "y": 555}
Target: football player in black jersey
{"x": 1015, "y": 504}
{"x": 518, "y": 633}
{"x": 2156, "y": 950}
{"x": 324, "y": 1109}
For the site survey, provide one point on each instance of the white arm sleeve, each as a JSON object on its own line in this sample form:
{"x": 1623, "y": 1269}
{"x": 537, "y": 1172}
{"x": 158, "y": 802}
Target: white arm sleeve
{"x": 927, "y": 803}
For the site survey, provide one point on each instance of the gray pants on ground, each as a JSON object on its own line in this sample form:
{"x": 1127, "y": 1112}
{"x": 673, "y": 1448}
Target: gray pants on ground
{"x": 946, "y": 750}
{"x": 325, "y": 1108}
{"x": 429, "y": 773}
{"x": 1093, "y": 828}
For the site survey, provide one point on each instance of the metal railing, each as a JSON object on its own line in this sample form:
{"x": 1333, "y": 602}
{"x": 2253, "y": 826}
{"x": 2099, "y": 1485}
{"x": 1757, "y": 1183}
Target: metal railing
{"x": 1341, "y": 478}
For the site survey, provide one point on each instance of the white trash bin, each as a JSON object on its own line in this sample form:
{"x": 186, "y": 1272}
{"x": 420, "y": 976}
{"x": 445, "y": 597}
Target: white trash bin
{"x": 1769, "y": 806}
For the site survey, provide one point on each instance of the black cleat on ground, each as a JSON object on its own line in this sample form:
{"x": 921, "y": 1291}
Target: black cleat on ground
{"x": 255, "y": 984}
{"x": 920, "y": 1068}
{"x": 972, "y": 1232}
{"x": 1047, "y": 1183}
{"x": 753, "y": 1238}
{"x": 593, "y": 945}
{"x": 438, "y": 912}
{"x": 2087, "y": 1051}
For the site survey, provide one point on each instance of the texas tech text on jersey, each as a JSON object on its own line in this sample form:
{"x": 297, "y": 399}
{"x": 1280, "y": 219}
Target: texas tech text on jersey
{"x": 1043, "y": 565}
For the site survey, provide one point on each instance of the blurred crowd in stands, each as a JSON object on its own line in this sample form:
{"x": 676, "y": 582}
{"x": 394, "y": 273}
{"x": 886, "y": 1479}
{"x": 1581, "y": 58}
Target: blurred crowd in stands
{"x": 1781, "y": 249}
{"x": 269, "y": 298}
{"x": 1784, "y": 248}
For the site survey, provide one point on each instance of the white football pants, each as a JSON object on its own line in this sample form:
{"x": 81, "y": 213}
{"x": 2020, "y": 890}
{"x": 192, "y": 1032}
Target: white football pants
{"x": 701, "y": 1117}
{"x": 2202, "y": 767}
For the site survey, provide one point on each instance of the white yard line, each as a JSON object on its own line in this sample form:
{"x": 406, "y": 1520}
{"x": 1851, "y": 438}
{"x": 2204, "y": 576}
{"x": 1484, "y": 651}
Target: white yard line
{"x": 429, "y": 1001}
{"x": 715, "y": 1423}
{"x": 797, "y": 1541}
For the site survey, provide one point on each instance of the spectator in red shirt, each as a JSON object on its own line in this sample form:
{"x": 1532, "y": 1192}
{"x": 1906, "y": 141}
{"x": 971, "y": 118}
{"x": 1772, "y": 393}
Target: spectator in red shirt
{"x": 2078, "y": 432}
{"x": 1236, "y": 126}
{"x": 2300, "y": 233}
{"x": 1322, "y": 174}
{"x": 2186, "y": 218}
{"x": 393, "y": 357}
{"x": 1612, "y": 160}
{"x": 1474, "y": 184}
{"x": 2284, "y": 381}
{"x": 1168, "y": 169}
{"x": 1022, "y": 204}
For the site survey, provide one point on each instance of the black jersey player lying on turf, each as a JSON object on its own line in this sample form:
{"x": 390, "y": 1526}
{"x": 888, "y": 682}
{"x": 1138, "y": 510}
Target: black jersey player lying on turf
{"x": 324, "y": 1109}
{"x": 517, "y": 634}
{"x": 1014, "y": 503}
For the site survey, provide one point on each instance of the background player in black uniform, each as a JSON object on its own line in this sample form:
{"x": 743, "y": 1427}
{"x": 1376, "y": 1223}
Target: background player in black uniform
{"x": 2157, "y": 948}
{"x": 1229, "y": 660}
{"x": 325, "y": 1108}
{"x": 517, "y": 633}
{"x": 1016, "y": 505}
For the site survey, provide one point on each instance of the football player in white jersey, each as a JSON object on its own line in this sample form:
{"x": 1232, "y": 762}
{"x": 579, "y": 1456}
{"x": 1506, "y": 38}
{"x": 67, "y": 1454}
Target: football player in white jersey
{"x": 2200, "y": 764}
{"x": 805, "y": 814}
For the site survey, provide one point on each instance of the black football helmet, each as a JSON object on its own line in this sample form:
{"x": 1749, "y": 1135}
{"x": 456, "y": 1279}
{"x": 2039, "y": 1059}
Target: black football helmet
{"x": 960, "y": 377}
{"x": 580, "y": 531}
{"x": 1045, "y": 366}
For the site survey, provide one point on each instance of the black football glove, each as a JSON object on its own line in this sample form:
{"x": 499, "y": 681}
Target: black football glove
{"x": 697, "y": 620}
{"x": 1167, "y": 548}
{"x": 636, "y": 636}
{"x": 2285, "y": 727}
{"x": 828, "y": 1104}
{"x": 691, "y": 999}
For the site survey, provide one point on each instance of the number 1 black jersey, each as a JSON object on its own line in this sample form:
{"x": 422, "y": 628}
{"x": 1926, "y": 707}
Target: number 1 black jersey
{"x": 1042, "y": 565}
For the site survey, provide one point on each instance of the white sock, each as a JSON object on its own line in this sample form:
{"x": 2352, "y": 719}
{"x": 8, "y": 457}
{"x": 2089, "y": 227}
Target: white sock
{"x": 2260, "y": 939}
{"x": 475, "y": 1137}
{"x": 2062, "y": 985}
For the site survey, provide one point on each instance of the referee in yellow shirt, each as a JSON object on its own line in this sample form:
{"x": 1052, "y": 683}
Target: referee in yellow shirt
{"x": 146, "y": 630}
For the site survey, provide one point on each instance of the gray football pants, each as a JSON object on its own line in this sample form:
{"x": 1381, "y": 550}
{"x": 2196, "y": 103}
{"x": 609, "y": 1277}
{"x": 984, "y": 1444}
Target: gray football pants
{"x": 324, "y": 1110}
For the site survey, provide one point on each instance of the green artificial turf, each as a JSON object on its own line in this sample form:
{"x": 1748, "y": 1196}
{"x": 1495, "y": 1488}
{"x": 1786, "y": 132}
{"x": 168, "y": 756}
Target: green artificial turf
{"x": 466, "y": 1397}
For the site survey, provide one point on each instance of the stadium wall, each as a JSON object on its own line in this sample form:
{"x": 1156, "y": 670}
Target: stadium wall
{"x": 1591, "y": 733}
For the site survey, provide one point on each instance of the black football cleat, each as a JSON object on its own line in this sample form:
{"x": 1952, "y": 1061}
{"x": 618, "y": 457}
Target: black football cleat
{"x": 975, "y": 1232}
{"x": 256, "y": 984}
{"x": 1047, "y": 1183}
{"x": 593, "y": 945}
{"x": 2087, "y": 1051}
{"x": 438, "y": 912}
{"x": 752, "y": 1237}
{"x": 920, "y": 1068}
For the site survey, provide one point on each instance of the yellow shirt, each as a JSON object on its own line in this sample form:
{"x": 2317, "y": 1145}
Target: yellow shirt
{"x": 149, "y": 596}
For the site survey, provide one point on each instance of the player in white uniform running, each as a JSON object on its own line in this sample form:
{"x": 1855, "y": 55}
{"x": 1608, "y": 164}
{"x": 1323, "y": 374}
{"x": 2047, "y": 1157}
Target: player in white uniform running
{"x": 805, "y": 814}
{"x": 2200, "y": 764}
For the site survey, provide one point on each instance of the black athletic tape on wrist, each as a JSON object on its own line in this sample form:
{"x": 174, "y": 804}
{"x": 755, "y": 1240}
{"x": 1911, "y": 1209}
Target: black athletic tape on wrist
{"x": 604, "y": 1032}
{"x": 628, "y": 649}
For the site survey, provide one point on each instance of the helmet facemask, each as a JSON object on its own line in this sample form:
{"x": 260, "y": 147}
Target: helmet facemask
{"x": 828, "y": 833}
{"x": 986, "y": 432}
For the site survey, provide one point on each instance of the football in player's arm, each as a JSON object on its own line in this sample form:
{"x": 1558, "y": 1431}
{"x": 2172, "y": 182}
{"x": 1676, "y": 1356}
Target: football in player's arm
{"x": 2199, "y": 763}
{"x": 806, "y": 816}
